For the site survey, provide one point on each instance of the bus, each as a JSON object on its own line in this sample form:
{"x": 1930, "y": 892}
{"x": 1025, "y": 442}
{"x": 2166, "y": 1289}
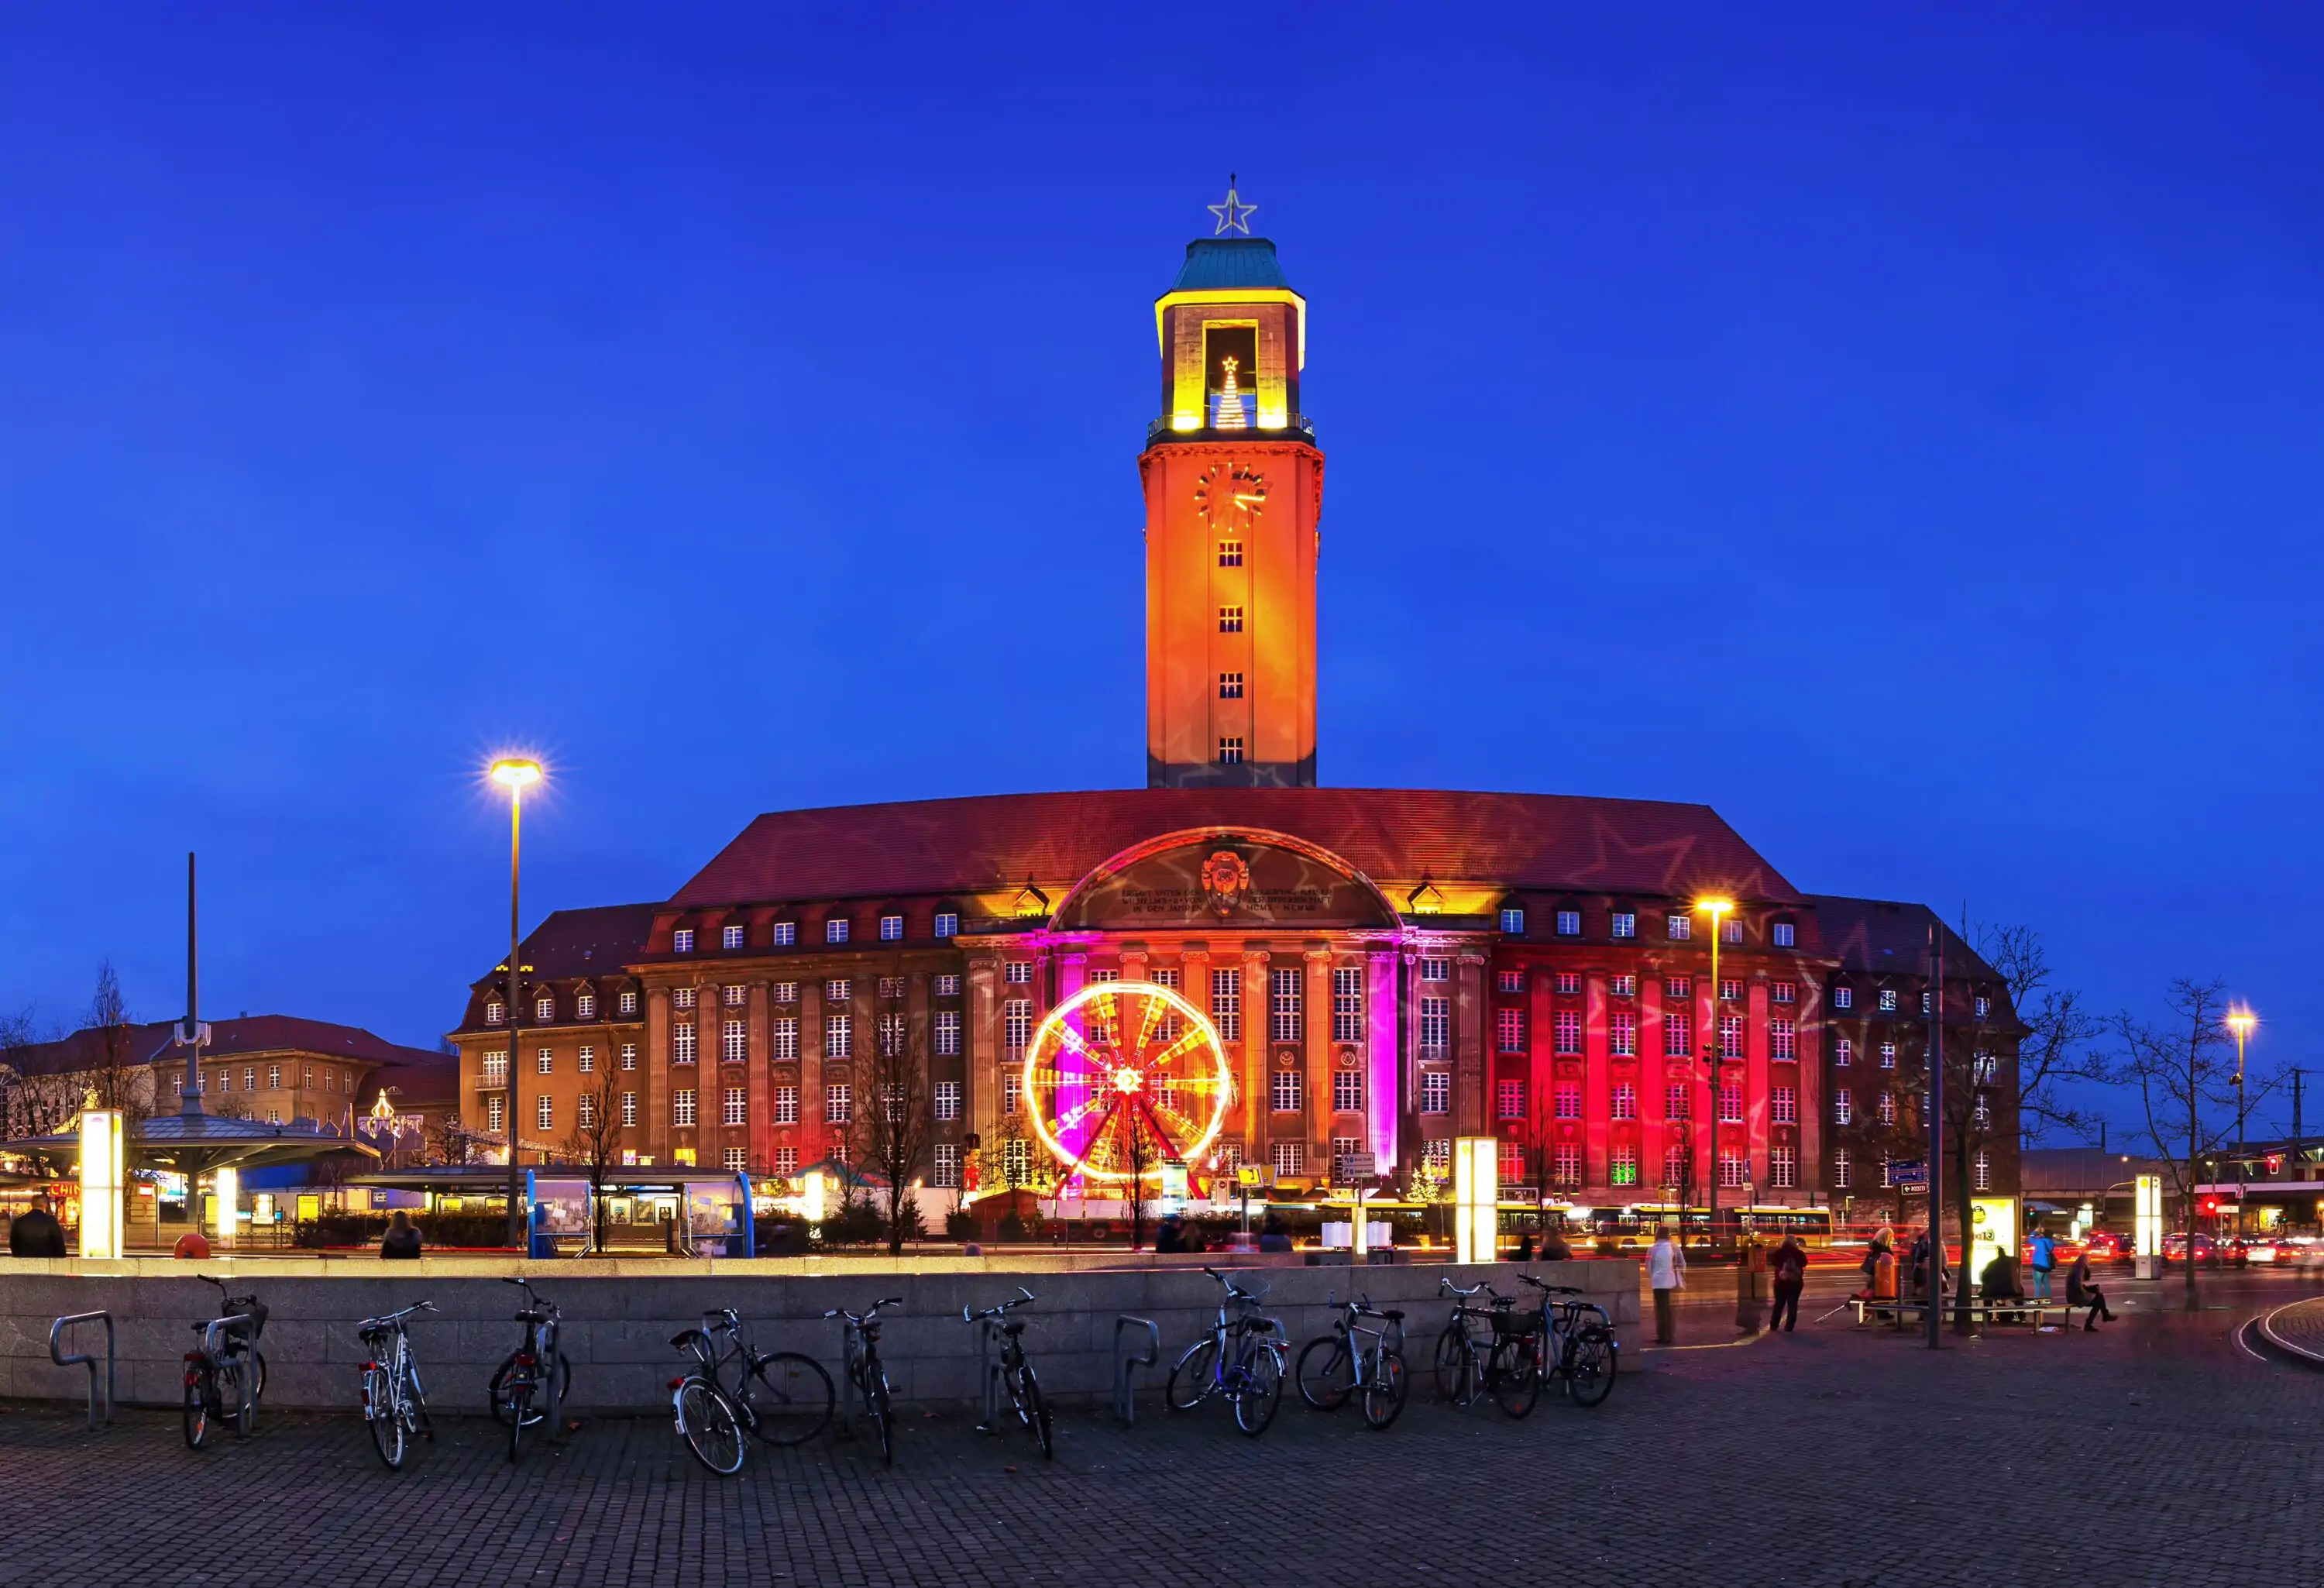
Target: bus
{"x": 1633, "y": 1227}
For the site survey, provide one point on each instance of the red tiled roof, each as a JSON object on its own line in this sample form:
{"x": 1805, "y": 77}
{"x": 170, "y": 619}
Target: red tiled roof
{"x": 148, "y": 1041}
{"x": 1550, "y": 843}
{"x": 597, "y": 941}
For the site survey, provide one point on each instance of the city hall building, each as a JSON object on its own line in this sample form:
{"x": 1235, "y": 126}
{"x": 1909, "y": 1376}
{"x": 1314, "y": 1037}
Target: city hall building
{"x": 1353, "y": 970}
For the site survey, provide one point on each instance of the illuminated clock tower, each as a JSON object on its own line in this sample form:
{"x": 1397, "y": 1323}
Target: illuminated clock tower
{"x": 1233, "y": 484}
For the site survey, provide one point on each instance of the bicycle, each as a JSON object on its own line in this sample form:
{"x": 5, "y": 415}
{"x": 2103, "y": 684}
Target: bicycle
{"x": 229, "y": 1361}
{"x": 1015, "y": 1374}
{"x": 1507, "y": 1369}
{"x": 527, "y": 1370}
{"x": 864, "y": 1373}
{"x": 393, "y": 1402}
{"x": 781, "y": 1397}
{"x": 1331, "y": 1366}
{"x": 1574, "y": 1343}
{"x": 1239, "y": 1356}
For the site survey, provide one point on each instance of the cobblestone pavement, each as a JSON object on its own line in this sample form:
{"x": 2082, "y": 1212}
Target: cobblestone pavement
{"x": 2152, "y": 1451}
{"x": 2298, "y": 1326}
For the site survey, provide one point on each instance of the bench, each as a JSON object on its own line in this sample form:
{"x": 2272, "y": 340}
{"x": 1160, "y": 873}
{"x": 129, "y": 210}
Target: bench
{"x": 2015, "y": 1309}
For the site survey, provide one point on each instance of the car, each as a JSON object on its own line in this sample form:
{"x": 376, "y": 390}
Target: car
{"x": 2106, "y": 1246}
{"x": 2174, "y": 1249}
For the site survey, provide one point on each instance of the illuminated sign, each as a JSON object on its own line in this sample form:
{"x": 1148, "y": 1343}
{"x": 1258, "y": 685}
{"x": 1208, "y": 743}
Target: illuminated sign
{"x": 1476, "y": 1200}
{"x": 102, "y": 1166}
{"x": 2147, "y": 1222}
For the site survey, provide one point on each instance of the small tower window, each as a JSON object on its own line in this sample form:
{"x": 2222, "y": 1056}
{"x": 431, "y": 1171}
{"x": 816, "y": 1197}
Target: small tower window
{"x": 1229, "y": 554}
{"x": 1230, "y": 686}
{"x": 1231, "y": 751}
{"x": 1230, "y": 620}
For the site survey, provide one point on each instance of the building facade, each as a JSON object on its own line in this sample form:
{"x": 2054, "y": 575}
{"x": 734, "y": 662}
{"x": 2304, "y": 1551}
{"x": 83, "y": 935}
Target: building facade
{"x": 1384, "y": 970}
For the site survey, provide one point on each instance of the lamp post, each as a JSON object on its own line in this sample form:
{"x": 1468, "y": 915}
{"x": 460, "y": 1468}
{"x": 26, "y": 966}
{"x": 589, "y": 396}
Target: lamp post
{"x": 2240, "y": 1021}
{"x": 516, "y": 775}
{"x": 1717, "y": 910}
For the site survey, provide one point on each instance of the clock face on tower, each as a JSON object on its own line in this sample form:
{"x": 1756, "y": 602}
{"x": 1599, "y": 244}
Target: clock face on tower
{"x": 1229, "y": 495}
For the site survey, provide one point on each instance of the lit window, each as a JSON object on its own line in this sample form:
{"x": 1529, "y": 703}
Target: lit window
{"x": 1569, "y": 923}
{"x": 1731, "y": 931}
{"x": 946, "y": 1175}
{"x": 1730, "y": 1167}
{"x": 947, "y": 1100}
{"x": 1983, "y": 1007}
{"x": 1017, "y": 973}
{"x": 735, "y": 1042}
{"x": 1678, "y": 1101}
{"x": 838, "y": 990}
{"x": 891, "y": 1036}
{"x": 734, "y": 997}
{"x": 544, "y": 1007}
{"x": 682, "y": 998}
{"x": 681, "y": 1043}
{"x": 1569, "y": 1030}
{"x": 891, "y": 929}
{"x": 1843, "y": 1053}
{"x": 1509, "y": 1031}
{"x": 1784, "y": 934}
{"x": 1843, "y": 1107}
{"x": 1682, "y": 927}
{"x": 1230, "y": 620}
{"x": 1984, "y": 1067}
{"x": 838, "y": 1037}
{"x": 1624, "y": 986}
{"x": 1980, "y": 1172}
{"x": 1730, "y": 990}
{"x": 585, "y": 1006}
{"x": 494, "y": 1012}
{"x": 1283, "y": 1091}
{"x": 1888, "y": 999}
{"x": 735, "y": 1158}
{"x": 628, "y": 1003}
{"x": 786, "y": 1100}
{"x": 1226, "y": 1004}
{"x": 1290, "y": 1157}
{"x": 1435, "y": 1027}
{"x": 1569, "y": 1101}
{"x": 1982, "y": 1112}
{"x": 681, "y": 941}
{"x": 1783, "y": 1040}
{"x": 947, "y": 986}
{"x": 1435, "y": 970}
{"x": 838, "y": 1104}
{"x": 682, "y": 1107}
{"x": 1284, "y": 1005}
{"x": 1513, "y": 923}
{"x": 1784, "y": 1167}
{"x": 786, "y": 934}
{"x": 1017, "y": 1025}
{"x": 947, "y": 1033}
{"x": 1843, "y": 997}
{"x": 1784, "y": 1106}
{"x": 1438, "y": 1153}
{"x": 1884, "y": 1110}
{"x": 1888, "y": 1056}
{"x": 493, "y": 1113}
{"x": 1435, "y": 1091}
{"x": 1625, "y": 923}
{"x": 787, "y": 1161}
{"x": 1230, "y": 751}
{"x": 1230, "y": 686}
{"x": 1012, "y": 1089}
{"x": 1623, "y": 1104}
{"x": 1566, "y": 1165}
{"x": 544, "y": 1062}
{"x": 629, "y": 1055}
{"x": 733, "y": 1106}
{"x": 1730, "y": 1104}
{"x": 1229, "y": 554}
{"x": 1346, "y": 1004}
{"x": 730, "y": 937}
{"x": 1730, "y": 1036}
{"x": 1678, "y": 1034}
{"x": 834, "y": 931}
{"x": 948, "y": 924}
{"x": 1509, "y": 1100}
{"x": 1622, "y": 1035}
{"x": 1843, "y": 1171}
{"x": 1624, "y": 1169}
{"x": 1347, "y": 1091}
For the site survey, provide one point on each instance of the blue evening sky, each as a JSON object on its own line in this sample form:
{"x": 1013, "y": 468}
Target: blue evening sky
{"x": 1895, "y": 427}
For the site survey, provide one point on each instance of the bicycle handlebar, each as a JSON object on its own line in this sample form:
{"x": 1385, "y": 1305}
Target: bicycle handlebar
{"x": 868, "y": 1314}
{"x": 1549, "y": 1289}
{"x": 388, "y": 1318}
{"x": 1234, "y": 1291}
{"x": 1022, "y": 1297}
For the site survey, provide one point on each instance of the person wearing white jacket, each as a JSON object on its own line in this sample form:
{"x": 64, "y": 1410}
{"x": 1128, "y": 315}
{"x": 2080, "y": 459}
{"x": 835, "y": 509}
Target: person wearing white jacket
{"x": 1667, "y": 1276}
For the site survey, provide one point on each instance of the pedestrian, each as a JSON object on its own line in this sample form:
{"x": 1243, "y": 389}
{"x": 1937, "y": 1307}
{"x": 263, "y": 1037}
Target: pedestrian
{"x": 1791, "y": 1270}
{"x": 35, "y": 1232}
{"x": 1997, "y": 1281}
{"x": 1272, "y": 1234}
{"x": 1167, "y": 1240}
{"x": 2080, "y": 1292}
{"x": 1525, "y": 1248}
{"x": 1554, "y": 1248}
{"x": 1917, "y": 1264}
{"x": 1666, "y": 1276}
{"x": 2043, "y": 1255}
{"x": 402, "y": 1239}
{"x": 1880, "y": 1267}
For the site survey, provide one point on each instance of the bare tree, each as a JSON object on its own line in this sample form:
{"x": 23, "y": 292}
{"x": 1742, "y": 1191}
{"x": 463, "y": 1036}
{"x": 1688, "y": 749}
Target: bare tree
{"x": 451, "y": 1142}
{"x": 34, "y": 1101}
{"x": 117, "y": 1073}
{"x": 2057, "y": 1045}
{"x": 2183, "y": 1067}
{"x": 897, "y": 1124}
{"x": 594, "y": 1143}
{"x": 1140, "y": 1149}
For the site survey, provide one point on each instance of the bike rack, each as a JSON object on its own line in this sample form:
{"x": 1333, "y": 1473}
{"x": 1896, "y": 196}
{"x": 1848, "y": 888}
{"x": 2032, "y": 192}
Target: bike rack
{"x": 83, "y": 1359}
{"x": 214, "y": 1347}
{"x": 1125, "y": 1389}
{"x": 989, "y": 1373}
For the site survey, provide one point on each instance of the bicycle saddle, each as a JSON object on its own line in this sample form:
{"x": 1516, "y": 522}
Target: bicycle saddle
{"x": 1395, "y": 1314}
{"x": 1013, "y": 1328}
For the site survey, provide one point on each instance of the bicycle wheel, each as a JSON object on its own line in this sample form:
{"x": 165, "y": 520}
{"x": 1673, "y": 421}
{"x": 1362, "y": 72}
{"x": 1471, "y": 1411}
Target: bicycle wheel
{"x": 386, "y": 1419}
{"x": 496, "y": 1396}
{"x": 1455, "y": 1366}
{"x": 521, "y": 1414}
{"x": 1192, "y": 1376}
{"x": 1325, "y": 1373}
{"x": 235, "y": 1409}
{"x": 877, "y": 1406}
{"x": 257, "y": 1375}
{"x": 1515, "y": 1374}
{"x": 1035, "y": 1410}
{"x": 1384, "y": 1389}
{"x": 1261, "y": 1390}
{"x": 789, "y": 1398}
{"x": 201, "y": 1400}
{"x": 713, "y": 1432}
{"x": 1590, "y": 1364}
{"x": 415, "y": 1406}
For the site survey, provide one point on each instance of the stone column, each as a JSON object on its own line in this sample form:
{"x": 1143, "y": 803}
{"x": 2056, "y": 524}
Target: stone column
{"x": 981, "y": 1043}
{"x": 1258, "y": 1061}
{"x": 1316, "y": 997}
{"x": 1654, "y": 1076}
{"x": 1384, "y": 1099}
{"x": 707, "y": 1011}
{"x": 1757, "y": 1110}
{"x": 1469, "y": 1045}
{"x": 1596, "y": 1039}
{"x": 1407, "y": 1041}
{"x": 761, "y": 1139}
{"x": 1195, "y": 985}
{"x": 656, "y": 1101}
{"x": 813, "y": 1136}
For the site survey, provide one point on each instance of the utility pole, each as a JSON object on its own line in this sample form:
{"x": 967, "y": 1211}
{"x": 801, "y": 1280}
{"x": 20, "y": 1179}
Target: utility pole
{"x": 1935, "y": 1315}
{"x": 2296, "y": 1073}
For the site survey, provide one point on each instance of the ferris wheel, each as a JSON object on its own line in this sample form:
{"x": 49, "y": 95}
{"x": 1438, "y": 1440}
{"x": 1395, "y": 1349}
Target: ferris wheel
{"x": 1123, "y": 1075}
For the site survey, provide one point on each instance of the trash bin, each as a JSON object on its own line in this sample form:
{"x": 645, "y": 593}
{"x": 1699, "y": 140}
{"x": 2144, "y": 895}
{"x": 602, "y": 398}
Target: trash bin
{"x": 1751, "y": 1286}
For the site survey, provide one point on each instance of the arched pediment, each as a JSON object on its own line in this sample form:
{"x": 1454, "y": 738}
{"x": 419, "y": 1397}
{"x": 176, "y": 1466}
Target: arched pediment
{"x": 1224, "y": 877}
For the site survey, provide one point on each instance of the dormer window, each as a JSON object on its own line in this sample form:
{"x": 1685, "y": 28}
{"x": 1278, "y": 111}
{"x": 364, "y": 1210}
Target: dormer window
{"x": 1887, "y": 1001}
{"x": 1984, "y": 1007}
{"x": 834, "y": 931}
{"x": 947, "y": 923}
{"x": 1625, "y": 923}
{"x": 730, "y": 937}
{"x": 1682, "y": 927}
{"x": 1569, "y": 923}
{"x": 1784, "y": 934}
{"x": 891, "y": 929}
{"x": 495, "y": 1011}
{"x": 786, "y": 934}
{"x": 1513, "y": 923}
{"x": 628, "y": 1003}
{"x": 1843, "y": 997}
{"x": 585, "y": 1006}
{"x": 544, "y": 1007}
{"x": 681, "y": 941}
{"x": 1731, "y": 931}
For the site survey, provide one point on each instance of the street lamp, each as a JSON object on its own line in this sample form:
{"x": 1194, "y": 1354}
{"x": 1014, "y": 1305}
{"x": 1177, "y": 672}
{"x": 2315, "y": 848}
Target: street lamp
{"x": 1717, "y": 910}
{"x": 2240, "y": 1021}
{"x": 516, "y": 775}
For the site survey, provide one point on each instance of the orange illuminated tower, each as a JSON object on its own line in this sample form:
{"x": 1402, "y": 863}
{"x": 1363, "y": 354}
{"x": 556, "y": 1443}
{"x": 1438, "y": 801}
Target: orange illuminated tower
{"x": 1233, "y": 484}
